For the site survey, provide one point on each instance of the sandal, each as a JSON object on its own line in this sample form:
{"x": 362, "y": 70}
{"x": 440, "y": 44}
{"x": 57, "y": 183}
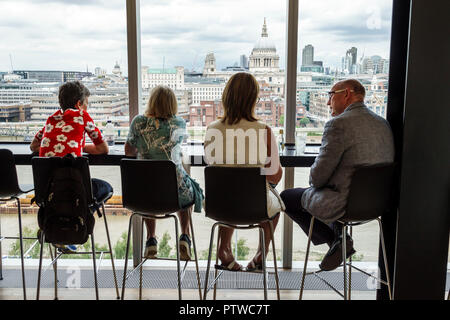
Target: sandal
{"x": 254, "y": 266}
{"x": 230, "y": 267}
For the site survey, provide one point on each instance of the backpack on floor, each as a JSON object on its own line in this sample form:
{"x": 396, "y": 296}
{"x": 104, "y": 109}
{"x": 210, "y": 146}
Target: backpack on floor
{"x": 64, "y": 216}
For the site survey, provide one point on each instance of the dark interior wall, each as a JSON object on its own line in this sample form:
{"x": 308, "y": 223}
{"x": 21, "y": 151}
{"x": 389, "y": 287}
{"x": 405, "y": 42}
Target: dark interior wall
{"x": 423, "y": 216}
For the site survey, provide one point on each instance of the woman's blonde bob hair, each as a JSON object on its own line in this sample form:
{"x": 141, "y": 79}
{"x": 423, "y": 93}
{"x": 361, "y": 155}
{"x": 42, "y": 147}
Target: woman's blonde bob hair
{"x": 239, "y": 98}
{"x": 162, "y": 103}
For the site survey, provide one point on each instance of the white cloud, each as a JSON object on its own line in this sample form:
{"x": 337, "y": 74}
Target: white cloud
{"x": 70, "y": 35}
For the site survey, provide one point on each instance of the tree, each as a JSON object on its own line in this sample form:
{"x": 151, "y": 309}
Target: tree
{"x": 164, "y": 247}
{"x": 242, "y": 249}
{"x": 121, "y": 246}
{"x": 304, "y": 122}
{"x": 281, "y": 121}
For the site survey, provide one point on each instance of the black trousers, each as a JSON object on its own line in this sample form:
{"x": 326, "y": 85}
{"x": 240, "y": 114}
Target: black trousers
{"x": 322, "y": 232}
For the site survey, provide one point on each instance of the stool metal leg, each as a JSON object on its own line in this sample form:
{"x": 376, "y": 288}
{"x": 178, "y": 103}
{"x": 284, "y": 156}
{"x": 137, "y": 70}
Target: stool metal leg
{"x": 208, "y": 265}
{"x": 55, "y": 271}
{"x": 178, "y": 257}
{"x": 141, "y": 266}
{"x": 140, "y": 281}
{"x": 130, "y": 223}
{"x": 263, "y": 260}
{"x": 215, "y": 270}
{"x": 40, "y": 265}
{"x": 302, "y": 285}
{"x": 94, "y": 258}
{"x": 196, "y": 257}
{"x": 350, "y": 270}
{"x": 111, "y": 252}
{"x": 386, "y": 267}
{"x": 21, "y": 249}
{"x": 274, "y": 259}
{"x": 344, "y": 257}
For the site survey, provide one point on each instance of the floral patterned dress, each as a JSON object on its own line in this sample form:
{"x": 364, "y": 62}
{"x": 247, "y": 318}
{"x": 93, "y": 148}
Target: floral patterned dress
{"x": 161, "y": 139}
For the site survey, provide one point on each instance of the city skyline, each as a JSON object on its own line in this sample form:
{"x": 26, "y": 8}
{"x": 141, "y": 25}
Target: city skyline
{"x": 172, "y": 32}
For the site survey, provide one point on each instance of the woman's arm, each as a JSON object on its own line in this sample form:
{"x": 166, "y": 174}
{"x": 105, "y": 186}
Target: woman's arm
{"x": 130, "y": 150}
{"x": 272, "y": 154}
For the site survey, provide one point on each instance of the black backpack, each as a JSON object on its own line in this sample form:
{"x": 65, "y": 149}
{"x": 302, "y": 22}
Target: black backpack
{"x": 64, "y": 215}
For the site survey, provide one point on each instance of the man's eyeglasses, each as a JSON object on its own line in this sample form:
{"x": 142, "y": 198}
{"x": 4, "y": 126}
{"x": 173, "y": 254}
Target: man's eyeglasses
{"x": 331, "y": 93}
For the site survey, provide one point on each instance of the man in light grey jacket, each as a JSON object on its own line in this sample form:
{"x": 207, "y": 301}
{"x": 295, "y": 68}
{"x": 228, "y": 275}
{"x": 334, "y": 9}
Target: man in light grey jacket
{"x": 354, "y": 136}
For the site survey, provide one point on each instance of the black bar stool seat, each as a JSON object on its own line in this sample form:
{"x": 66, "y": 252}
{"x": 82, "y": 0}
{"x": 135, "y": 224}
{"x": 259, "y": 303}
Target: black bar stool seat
{"x": 42, "y": 171}
{"x": 369, "y": 198}
{"x": 150, "y": 191}
{"x": 236, "y": 197}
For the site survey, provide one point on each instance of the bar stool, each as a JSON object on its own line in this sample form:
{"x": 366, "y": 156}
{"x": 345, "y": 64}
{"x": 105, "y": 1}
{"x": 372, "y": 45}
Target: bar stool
{"x": 150, "y": 191}
{"x": 42, "y": 170}
{"x": 241, "y": 205}
{"x": 10, "y": 189}
{"x": 369, "y": 198}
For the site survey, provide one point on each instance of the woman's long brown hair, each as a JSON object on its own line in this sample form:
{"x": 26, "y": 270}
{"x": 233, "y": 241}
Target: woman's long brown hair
{"x": 239, "y": 98}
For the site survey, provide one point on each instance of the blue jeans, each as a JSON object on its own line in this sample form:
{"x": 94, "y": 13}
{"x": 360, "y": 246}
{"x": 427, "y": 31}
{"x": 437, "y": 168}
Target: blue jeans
{"x": 101, "y": 191}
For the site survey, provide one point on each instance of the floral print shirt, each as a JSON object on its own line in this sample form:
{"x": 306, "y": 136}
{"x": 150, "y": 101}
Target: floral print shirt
{"x": 64, "y": 133}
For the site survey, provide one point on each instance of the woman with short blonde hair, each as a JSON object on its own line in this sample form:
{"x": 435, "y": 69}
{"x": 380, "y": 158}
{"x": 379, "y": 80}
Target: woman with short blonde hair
{"x": 162, "y": 103}
{"x": 158, "y": 134}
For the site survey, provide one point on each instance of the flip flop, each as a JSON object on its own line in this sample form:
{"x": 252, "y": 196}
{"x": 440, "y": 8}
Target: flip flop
{"x": 229, "y": 267}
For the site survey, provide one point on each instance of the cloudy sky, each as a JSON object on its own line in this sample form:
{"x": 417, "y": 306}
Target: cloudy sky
{"x": 81, "y": 34}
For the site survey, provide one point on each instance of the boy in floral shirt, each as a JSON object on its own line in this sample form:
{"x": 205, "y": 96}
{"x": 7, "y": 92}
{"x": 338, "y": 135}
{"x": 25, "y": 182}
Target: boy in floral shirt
{"x": 64, "y": 133}
{"x": 65, "y": 130}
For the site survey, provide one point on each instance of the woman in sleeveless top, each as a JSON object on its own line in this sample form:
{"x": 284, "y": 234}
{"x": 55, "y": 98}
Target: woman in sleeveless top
{"x": 158, "y": 134}
{"x": 239, "y": 100}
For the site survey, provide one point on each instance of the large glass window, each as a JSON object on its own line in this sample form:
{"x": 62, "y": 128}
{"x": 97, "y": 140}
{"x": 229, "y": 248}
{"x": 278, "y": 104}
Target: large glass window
{"x": 44, "y": 44}
{"x": 337, "y": 43}
{"x": 194, "y": 47}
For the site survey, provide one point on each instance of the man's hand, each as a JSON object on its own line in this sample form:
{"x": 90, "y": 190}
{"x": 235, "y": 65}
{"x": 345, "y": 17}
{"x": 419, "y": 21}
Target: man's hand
{"x": 101, "y": 148}
{"x": 35, "y": 145}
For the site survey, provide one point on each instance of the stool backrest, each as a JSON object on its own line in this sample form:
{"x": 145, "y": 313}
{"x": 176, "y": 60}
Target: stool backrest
{"x": 149, "y": 186}
{"x": 9, "y": 184}
{"x": 43, "y": 168}
{"x": 235, "y": 195}
{"x": 370, "y": 192}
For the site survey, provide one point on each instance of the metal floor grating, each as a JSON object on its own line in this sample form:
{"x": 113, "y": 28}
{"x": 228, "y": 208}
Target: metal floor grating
{"x": 167, "y": 279}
